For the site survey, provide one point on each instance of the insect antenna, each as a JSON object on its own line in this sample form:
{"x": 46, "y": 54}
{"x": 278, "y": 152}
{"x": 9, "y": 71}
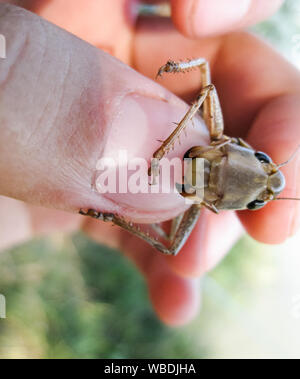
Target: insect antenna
{"x": 290, "y": 159}
{"x": 288, "y": 198}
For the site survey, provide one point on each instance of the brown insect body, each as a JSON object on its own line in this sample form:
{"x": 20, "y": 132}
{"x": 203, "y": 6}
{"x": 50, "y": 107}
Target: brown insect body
{"x": 230, "y": 171}
{"x": 235, "y": 176}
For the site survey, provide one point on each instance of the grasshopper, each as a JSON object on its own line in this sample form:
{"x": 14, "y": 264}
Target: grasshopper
{"x": 237, "y": 177}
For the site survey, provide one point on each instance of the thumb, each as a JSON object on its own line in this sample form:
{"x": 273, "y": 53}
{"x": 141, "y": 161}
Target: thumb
{"x": 63, "y": 105}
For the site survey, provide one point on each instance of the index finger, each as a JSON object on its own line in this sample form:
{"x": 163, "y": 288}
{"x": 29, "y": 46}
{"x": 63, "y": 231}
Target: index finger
{"x": 199, "y": 18}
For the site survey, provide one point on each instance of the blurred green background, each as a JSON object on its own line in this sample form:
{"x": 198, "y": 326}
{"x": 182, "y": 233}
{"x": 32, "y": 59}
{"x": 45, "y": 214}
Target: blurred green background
{"x": 69, "y": 298}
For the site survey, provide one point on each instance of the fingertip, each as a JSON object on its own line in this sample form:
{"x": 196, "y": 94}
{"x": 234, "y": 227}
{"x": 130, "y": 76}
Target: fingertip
{"x": 200, "y": 18}
{"x": 279, "y": 220}
{"x": 212, "y": 238}
{"x": 190, "y": 260}
{"x": 103, "y": 233}
{"x": 180, "y": 12}
{"x": 276, "y": 132}
{"x": 15, "y": 223}
{"x": 45, "y": 221}
{"x": 271, "y": 225}
{"x": 176, "y": 300}
{"x": 259, "y": 10}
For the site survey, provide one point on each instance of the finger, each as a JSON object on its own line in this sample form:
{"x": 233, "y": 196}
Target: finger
{"x": 44, "y": 221}
{"x": 15, "y": 225}
{"x": 247, "y": 72}
{"x": 85, "y": 105}
{"x": 276, "y": 132}
{"x": 20, "y": 222}
{"x": 176, "y": 300}
{"x": 32, "y": 5}
{"x": 249, "y": 75}
{"x": 158, "y": 41}
{"x": 208, "y": 244}
{"x": 107, "y": 25}
{"x": 199, "y": 18}
{"x": 265, "y": 95}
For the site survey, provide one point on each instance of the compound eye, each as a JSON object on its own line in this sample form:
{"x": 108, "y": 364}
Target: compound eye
{"x": 187, "y": 155}
{"x": 255, "y": 205}
{"x": 263, "y": 158}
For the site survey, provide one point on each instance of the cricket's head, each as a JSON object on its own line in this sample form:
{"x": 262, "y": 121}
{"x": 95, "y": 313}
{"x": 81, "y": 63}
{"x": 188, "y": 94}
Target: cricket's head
{"x": 274, "y": 182}
{"x": 250, "y": 179}
{"x": 238, "y": 178}
{"x": 258, "y": 180}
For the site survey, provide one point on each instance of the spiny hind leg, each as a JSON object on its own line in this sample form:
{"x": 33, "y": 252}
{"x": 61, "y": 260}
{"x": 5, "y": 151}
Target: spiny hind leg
{"x": 174, "y": 227}
{"x": 168, "y": 144}
{"x": 129, "y": 226}
{"x": 206, "y": 85}
{"x": 181, "y": 228}
{"x": 212, "y": 112}
{"x": 208, "y": 98}
{"x": 179, "y": 232}
{"x": 184, "y": 228}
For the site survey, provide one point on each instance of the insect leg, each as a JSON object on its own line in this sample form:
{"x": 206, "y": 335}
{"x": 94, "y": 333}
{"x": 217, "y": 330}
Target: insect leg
{"x": 183, "y": 231}
{"x": 129, "y": 226}
{"x": 175, "y": 67}
{"x": 212, "y": 112}
{"x": 174, "y": 227}
{"x": 160, "y": 231}
{"x": 169, "y": 142}
{"x": 182, "y": 227}
{"x": 241, "y": 142}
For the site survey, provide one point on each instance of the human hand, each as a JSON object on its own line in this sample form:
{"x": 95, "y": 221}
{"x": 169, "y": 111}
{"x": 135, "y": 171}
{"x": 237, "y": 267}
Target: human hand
{"x": 252, "y": 95}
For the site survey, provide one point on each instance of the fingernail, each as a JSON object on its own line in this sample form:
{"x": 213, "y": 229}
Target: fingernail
{"x": 216, "y": 16}
{"x": 140, "y": 122}
{"x": 138, "y": 125}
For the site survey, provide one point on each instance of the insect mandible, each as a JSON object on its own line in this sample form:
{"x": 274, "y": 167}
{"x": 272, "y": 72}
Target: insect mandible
{"x": 237, "y": 177}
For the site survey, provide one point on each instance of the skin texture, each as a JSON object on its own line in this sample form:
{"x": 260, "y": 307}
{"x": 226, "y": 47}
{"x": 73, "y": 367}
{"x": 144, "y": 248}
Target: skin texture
{"x": 201, "y": 18}
{"x": 73, "y": 109}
